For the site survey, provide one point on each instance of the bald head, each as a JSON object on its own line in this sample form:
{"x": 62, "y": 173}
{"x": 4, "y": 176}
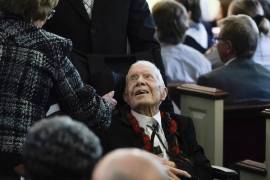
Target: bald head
{"x": 129, "y": 164}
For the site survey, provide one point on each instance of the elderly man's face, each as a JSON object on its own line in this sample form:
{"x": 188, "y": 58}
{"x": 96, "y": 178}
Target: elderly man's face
{"x": 143, "y": 87}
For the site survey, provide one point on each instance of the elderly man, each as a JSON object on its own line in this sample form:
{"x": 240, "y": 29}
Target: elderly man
{"x": 129, "y": 164}
{"x": 245, "y": 80}
{"x": 142, "y": 125}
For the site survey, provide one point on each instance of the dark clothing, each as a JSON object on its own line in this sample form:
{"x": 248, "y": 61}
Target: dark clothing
{"x": 119, "y": 33}
{"x": 193, "y": 43}
{"x": 121, "y": 135}
{"x": 33, "y": 65}
{"x": 105, "y": 37}
{"x": 243, "y": 79}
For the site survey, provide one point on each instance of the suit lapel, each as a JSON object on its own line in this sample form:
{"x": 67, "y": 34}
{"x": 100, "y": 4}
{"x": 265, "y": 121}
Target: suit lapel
{"x": 168, "y": 136}
{"x": 80, "y": 9}
{"x": 164, "y": 123}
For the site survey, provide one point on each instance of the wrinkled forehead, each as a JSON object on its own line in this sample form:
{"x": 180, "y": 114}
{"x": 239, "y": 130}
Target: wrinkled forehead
{"x": 140, "y": 69}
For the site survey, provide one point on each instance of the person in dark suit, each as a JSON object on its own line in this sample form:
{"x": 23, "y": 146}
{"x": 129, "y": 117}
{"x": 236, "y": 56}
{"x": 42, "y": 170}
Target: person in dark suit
{"x": 143, "y": 125}
{"x": 243, "y": 78}
{"x": 107, "y": 39}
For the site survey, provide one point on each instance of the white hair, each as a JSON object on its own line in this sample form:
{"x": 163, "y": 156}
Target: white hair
{"x": 153, "y": 67}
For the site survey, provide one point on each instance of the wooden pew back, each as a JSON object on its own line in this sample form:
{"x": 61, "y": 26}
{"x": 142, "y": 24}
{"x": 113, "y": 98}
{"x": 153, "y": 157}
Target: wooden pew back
{"x": 244, "y": 132}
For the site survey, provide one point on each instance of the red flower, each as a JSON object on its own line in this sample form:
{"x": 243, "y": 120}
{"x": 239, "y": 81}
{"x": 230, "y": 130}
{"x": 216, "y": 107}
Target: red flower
{"x": 147, "y": 143}
{"x": 173, "y": 126}
{"x": 176, "y": 150}
{"x": 148, "y": 147}
{"x": 146, "y": 138}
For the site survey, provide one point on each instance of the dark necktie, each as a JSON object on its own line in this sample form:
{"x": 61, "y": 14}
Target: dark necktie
{"x": 155, "y": 128}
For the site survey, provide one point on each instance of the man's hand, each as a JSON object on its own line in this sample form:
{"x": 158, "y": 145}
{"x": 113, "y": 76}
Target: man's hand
{"x": 109, "y": 99}
{"x": 173, "y": 171}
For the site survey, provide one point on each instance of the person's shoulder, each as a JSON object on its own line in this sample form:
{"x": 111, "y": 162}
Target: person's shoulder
{"x": 52, "y": 45}
{"x": 195, "y": 53}
{"x": 55, "y": 39}
{"x": 215, "y": 77}
{"x": 216, "y": 72}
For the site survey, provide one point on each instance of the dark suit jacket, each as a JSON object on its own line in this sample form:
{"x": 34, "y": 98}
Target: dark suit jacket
{"x": 243, "y": 79}
{"x": 101, "y": 52}
{"x": 113, "y": 23}
{"x": 121, "y": 135}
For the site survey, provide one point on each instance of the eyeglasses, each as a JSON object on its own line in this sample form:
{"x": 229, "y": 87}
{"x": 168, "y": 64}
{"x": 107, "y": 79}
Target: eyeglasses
{"x": 50, "y": 14}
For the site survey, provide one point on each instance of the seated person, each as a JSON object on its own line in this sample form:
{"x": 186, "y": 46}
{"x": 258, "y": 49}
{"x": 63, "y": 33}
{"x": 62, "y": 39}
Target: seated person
{"x": 254, "y": 9}
{"x": 196, "y": 35}
{"x": 266, "y": 8}
{"x": 183, "y": 64}
{"x": 60, "y": 148}
{"x": 142, "y": 125}
{"x": 129, "y": 164}
{"x": 241, "y": 77}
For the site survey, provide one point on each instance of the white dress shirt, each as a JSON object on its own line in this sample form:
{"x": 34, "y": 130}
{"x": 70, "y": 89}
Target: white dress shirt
{"x": 146, "y": 120}
{"x": 183, "y": 64}
{"x": 262, "y": 53}
{"x": 88, "y": 4}
{"x": 198, "y": 32}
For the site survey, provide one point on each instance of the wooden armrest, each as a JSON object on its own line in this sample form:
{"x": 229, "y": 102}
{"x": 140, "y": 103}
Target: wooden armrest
{"x": 257, "y": 105}
{"x": 252, "y": 166}
{"x": 266, "y": 113}
{"x": 201, "y": 91}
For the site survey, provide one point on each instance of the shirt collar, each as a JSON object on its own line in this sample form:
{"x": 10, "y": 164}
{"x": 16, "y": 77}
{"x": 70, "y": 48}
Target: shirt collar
{"x": 143, "y": 120}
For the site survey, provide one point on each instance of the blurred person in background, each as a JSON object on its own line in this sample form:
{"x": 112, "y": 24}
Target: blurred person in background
{"x": 244, "y": 79}
{"x": 196, "y": 35}
{"x": 266, "y": 7}
{"x": 183, "y": 64}
{"x": 254, "y": 9}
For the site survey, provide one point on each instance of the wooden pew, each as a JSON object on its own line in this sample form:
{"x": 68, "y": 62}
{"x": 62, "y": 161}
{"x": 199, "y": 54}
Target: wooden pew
{"x": 251, "y": 170}
{"x": 205, "y": 106}
{"x": 213, "y": 121}
{"x": 244, "y": 132}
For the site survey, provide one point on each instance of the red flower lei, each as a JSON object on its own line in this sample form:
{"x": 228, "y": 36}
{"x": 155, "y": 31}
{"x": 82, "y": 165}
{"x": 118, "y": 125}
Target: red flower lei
{"x": 172, "y": 129}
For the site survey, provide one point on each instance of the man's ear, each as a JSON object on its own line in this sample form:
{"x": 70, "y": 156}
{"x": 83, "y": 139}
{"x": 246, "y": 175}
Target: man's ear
{"x": 229, "y": 47}
{"x": 164, "y": 93}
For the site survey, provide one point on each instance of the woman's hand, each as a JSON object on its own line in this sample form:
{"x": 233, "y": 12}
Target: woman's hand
{"x": 109, "y": 99}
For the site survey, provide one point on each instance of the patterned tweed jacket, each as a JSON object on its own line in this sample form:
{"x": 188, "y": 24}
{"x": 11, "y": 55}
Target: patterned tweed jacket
{"x": 33, "y": 65}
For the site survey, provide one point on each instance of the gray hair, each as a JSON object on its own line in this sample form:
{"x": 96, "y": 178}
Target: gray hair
{"x": 60, "y": 147}
{"x": 30, "y": 10}
{"x": 243, "y": 33}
